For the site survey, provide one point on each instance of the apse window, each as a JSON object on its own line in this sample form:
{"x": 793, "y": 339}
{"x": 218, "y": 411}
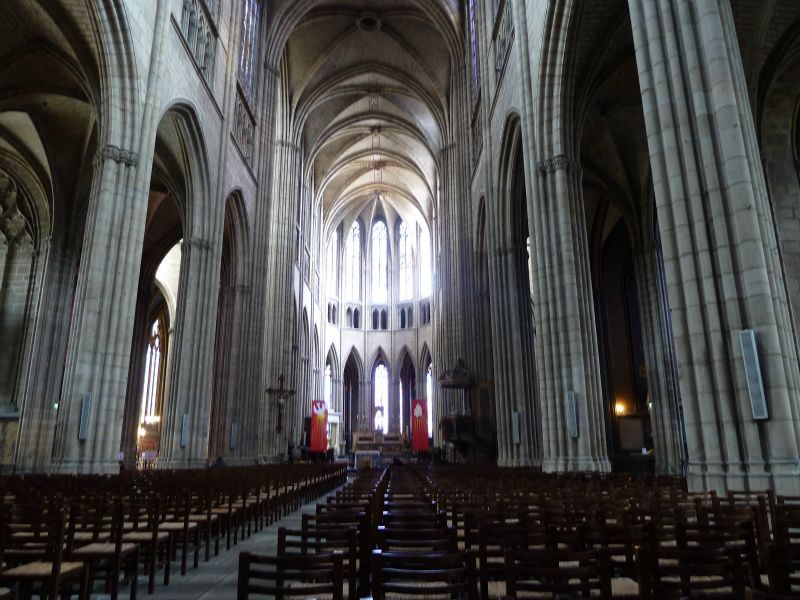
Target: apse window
{"x": 429, "y": 396}
{"x": 426, "y": 268}
{"x": 352, "y": 264}
{"x": 406, "y": 291}
{"x": 380, "y": 260}
{"x": 381, "y": 380}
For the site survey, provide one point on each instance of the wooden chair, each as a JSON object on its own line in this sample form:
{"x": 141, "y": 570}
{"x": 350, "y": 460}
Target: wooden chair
{"x": 142, "y": 527}
{"x": 46, "y": 567}
{"x": 343, "y": 542}
{"x": 290, "y": 576}
{"x": 562, "y": 573}
{"x": 110, "y": 556}
{"x": 690, "y": 572}
{"x": 493, "y": 540}
{"x": 783, "y": 556}
{"x": 423, "y": 575}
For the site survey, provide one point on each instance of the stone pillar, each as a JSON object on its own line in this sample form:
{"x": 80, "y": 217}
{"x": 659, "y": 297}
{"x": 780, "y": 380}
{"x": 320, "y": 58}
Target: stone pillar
{"x": 40, "y": 391}
{"x": 517, "y": 407}
{"x": 566, "y": 336}
{"x": 99, "y": 340}
{"x": 721, "y": 254}
{"x": 187, "y": 406}
{"x": 454, "y": 327}
{"x": 659, "y": 356}
{"x": 280, "y": 348}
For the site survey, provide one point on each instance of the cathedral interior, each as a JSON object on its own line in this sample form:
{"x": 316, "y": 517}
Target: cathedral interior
{"x": 500, "y": 254}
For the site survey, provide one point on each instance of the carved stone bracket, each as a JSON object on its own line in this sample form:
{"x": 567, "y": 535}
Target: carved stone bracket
{"x": 198, "y": 243}
{"x": 512, "y": 249}
{"x": 14, "y": 227}
{"x": 556, "y": 163}
{"x": 117, "y": 154}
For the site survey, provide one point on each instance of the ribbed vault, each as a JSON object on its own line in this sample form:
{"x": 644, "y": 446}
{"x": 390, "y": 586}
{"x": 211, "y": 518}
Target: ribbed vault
{"x": 369, "y": 86}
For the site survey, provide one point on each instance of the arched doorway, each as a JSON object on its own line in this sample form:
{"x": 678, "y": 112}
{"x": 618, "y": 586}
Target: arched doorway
{"x": 232, "y": 433}
{"x": 407, "y": 392}
{"x": 351, "y": 397}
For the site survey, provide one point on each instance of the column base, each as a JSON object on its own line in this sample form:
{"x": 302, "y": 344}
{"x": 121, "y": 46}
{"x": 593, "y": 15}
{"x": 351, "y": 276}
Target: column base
{"x": 182, "y": 463}
{"x": 84, "y": 467}
{"x": 576, "y": 464}
{"x": 783, "y": 477}
{"x": 520, "y": 462}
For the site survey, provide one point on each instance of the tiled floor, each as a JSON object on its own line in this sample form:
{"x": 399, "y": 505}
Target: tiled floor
{"x": 215, "y": 579}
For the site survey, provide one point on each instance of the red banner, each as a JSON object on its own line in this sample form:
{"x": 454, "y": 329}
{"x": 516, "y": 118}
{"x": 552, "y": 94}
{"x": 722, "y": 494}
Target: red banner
{"x": 419, "y": 425}
{"x": 319, "y": 426}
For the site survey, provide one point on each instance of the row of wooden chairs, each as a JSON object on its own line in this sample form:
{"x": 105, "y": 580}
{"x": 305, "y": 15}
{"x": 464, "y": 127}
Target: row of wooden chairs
{"x": 60, "y": 534}
{"x": 438, "y": 532}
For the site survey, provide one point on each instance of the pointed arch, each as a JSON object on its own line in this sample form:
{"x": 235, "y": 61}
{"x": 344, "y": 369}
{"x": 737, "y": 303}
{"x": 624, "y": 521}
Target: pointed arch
{"x": 181, "y": 144}
{"x": 507, "y": 219}
{"x": 401, "y": 356}
{"x": 333, "y": 358}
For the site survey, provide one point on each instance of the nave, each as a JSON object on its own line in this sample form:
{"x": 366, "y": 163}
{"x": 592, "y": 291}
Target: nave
{"x": 416, "y": 531}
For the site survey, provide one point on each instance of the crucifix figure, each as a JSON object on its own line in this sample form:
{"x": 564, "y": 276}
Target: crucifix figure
{"x": 282, "y": 394}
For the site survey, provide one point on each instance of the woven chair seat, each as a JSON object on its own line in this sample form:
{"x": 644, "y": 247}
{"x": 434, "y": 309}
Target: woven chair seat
{"x": 88, "y": 536}
{"x": 176, "y": 526}
{"x": 101, "y": 549}
{"x": 144, "y": 536}
{"x": 5, "y": 594}
{"x": 203, "y": 518}
{"x": 40, "y": 569}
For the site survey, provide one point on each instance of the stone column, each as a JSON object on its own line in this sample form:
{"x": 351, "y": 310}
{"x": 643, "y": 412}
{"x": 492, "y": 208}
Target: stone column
{"x": 280, "y": 349}
{"x": 99, "y": 340}
{"x": 721, "y": 254}
{"x": 187, "y": 406}
{"x": 454, "y": 327}
{"x": 98, "y": 349}
{"x": 566, "y": 336}
{"x": 41, "y": 389}
{"x": 517, "y": 407}
{"x": 659, "y": 356}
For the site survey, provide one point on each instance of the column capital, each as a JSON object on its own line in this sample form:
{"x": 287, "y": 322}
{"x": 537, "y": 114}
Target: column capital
{"x": 117, "y": 154}
{"x": 556, "y": 163}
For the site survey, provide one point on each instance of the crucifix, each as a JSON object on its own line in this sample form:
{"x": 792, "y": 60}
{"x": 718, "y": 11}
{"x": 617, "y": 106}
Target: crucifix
{"x": 282, "y": 394}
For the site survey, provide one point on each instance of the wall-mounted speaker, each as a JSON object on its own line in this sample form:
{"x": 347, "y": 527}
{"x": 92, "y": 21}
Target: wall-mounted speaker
{"x": 752, "y": 371}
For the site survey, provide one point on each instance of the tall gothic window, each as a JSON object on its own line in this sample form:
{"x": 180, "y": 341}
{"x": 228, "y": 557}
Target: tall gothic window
{"x": 400, "y": 392}
{"x": 150, "y": 396}
{"x": 380, "y": 259}
{"x": 381, "y": 384}
{"x": 406, "y": 264}
{"x": 333, "y": 251}
{"x": 429, "y": 396}
{"x": 425, "y": 267}
{"x": 473, "y": 49}
{"x": 327, "y": 390}
{"x": 352, "y": 264}
{"x": 251, "y": 12}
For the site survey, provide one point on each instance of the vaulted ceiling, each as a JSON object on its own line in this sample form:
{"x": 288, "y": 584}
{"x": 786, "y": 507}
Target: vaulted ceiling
{"x": 369, "y": 84}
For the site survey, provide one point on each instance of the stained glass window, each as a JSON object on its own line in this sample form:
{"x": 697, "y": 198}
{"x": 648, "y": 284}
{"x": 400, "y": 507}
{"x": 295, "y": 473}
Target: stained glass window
{"x": 473, "y": 49}
{"x": 381, "y": 383}
{"x": 352, "y": 267}
{"x": 429, "y": 396}
{"x": 333, "y": 251}
{"x": 380, "y": 259}
{"x": 425, "y": 267}
{"x": 406, "y": 264}
{"x": 251, "y": 12}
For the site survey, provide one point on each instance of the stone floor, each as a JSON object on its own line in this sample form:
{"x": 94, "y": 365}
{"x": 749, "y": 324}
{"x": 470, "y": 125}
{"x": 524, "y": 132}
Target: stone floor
{"x": 215, "y": 579}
